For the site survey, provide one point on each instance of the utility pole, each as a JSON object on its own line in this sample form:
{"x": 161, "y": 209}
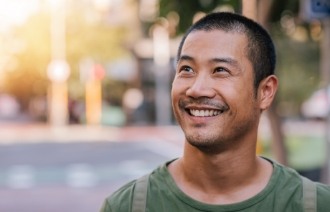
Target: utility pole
{"x": 162, "y": 56}
{"x": 58, "y": 69}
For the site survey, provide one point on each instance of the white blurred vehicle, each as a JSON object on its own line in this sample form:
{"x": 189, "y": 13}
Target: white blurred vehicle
{"x": 9, "y": 106}
{"x": 317, "y": 105}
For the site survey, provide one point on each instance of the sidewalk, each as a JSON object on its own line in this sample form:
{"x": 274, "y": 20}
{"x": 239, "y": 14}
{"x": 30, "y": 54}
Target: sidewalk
{"x": 29, "y": 132}
{"x": 34, "y": 133}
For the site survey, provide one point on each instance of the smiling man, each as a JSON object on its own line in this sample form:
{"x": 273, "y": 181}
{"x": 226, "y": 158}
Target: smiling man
{"x": 224, "y": 81}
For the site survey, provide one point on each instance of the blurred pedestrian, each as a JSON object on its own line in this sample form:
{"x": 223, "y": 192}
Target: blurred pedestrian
{"x": 224, "y": 81}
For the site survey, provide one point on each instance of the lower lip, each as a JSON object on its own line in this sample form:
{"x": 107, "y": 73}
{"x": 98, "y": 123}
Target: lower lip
{"x": 201, "y": 119}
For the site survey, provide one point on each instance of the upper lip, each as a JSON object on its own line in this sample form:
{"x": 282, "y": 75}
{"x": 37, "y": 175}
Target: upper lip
{"x": 201, "y": 107}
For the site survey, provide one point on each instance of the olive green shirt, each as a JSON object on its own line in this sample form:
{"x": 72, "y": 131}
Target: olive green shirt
{"x": 282, "y": 193}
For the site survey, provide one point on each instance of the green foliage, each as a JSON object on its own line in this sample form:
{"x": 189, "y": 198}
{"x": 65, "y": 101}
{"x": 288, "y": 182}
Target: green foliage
{"x": 280, "y": 6}
{"x": 188, "y": 9}
{"x": 99, "y": 41}
{"x": 298, "y": 72}
{"x": 95, "y": 40}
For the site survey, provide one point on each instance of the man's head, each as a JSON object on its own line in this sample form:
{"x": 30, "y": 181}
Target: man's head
{"x": 260, "y": 49}
{"x": 224, "y": 80}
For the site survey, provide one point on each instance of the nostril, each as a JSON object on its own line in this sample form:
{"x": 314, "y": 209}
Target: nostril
{"x": 197, "y": 91}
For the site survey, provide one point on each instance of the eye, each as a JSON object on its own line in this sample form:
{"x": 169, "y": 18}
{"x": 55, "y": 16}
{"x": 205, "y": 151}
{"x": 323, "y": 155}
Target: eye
{"x": 220, "y": 69}
{"x": 186, "y": 69}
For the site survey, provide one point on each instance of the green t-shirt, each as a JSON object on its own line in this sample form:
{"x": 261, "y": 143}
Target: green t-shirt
{"x": 283, "y": 193}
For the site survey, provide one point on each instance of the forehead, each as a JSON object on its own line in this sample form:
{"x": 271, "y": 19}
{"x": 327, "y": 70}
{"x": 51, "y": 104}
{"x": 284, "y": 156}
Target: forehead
{"x": 215, "y": 42}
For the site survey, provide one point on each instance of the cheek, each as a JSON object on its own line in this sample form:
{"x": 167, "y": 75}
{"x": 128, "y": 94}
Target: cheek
{"x": 174, "y": 94}
{"x": 241, "y": 96}
{"x": 173, "y": 90}
{"x": 178, "y": 88}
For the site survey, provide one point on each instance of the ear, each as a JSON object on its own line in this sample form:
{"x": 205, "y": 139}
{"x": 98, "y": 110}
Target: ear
{"x": 266, "y": 91}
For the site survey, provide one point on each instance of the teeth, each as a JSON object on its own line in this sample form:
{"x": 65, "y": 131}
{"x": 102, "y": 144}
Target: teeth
{"x": 205, "y": 113}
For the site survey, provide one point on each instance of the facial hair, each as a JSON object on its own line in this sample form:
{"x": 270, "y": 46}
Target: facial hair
{"x": 214, "y": 142}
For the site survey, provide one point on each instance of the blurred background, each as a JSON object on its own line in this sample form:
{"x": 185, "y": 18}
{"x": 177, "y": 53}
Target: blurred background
{"x": 85, "y": 103}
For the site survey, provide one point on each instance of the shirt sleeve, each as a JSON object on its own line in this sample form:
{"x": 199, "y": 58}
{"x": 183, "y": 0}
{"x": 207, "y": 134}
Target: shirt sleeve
{"x": 105, "y": 206}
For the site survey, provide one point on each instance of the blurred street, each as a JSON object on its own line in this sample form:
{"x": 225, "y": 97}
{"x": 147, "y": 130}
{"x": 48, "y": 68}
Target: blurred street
{"x": 74, "y": 168}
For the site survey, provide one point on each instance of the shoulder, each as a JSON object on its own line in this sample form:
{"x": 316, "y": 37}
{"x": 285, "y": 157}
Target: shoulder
{"x": 294, "y": 180}
{"x": 323, "y": 197}
{"x": 285, "y": 175}
{"x": 323, "y": 189}
{"x": 120, "y": 200}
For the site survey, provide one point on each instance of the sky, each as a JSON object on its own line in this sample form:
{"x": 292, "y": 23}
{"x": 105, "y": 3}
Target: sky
{"x": 15, "y": 12}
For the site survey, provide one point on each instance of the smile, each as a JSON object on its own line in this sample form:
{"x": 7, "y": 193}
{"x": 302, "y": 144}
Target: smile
{"x": 204, "y": 113}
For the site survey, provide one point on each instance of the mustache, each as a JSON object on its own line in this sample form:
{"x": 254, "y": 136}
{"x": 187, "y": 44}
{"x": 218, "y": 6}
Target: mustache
{"x": 183, "y": 103}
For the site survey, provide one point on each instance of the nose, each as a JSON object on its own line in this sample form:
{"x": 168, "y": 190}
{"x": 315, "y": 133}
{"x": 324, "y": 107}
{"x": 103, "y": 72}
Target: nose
{"x": 202, "y": 86}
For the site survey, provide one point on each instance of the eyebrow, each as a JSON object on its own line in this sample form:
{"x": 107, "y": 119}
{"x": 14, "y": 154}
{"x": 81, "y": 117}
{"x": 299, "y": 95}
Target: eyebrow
{"x": 185, "y": 57}
{"x": 227, "y": 60}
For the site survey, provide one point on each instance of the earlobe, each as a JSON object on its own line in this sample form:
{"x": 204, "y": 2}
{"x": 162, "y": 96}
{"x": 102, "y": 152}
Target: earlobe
{"x": 267, "y": 91}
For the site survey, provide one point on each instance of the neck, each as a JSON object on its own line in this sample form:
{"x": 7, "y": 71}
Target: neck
{"x": 226, "y": 177}
{"x": 221, "y": 170}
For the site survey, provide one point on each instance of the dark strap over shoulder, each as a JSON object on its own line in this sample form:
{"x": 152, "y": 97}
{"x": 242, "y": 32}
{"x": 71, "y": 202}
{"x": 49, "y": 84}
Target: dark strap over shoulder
{"x": 309, "y": 195}
{"x": 140, "y": 194}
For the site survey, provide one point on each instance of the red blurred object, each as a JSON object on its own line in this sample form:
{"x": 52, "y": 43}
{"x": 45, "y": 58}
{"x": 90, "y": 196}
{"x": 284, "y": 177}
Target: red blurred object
{"x": 98, "y": 72}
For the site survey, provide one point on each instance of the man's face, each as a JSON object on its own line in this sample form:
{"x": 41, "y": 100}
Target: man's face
{"x": 213, "y": 97}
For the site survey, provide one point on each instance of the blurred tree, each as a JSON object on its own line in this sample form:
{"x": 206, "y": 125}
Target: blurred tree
{"x": 188, "y": 9}
{"x": 95, "y": 39}
{"x": 27, "y": 78}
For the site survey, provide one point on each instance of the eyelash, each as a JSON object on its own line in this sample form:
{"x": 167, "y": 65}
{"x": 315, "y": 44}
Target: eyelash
{"x": 216, "y": 70}
{"x": 220, "y": 69}
{"x": 184, "y": 68}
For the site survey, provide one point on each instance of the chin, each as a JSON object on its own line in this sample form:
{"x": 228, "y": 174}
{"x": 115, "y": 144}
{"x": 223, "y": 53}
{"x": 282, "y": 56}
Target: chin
{"x": 200, "y": 140}
{"x": 208, "y": 147}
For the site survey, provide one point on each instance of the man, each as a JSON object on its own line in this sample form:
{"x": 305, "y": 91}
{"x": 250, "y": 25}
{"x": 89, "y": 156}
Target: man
{"x": 224, "y": 81}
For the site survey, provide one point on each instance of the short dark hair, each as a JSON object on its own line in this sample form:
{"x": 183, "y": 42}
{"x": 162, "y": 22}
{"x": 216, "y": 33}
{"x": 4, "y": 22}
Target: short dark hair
{"x": 260, "y": 49}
